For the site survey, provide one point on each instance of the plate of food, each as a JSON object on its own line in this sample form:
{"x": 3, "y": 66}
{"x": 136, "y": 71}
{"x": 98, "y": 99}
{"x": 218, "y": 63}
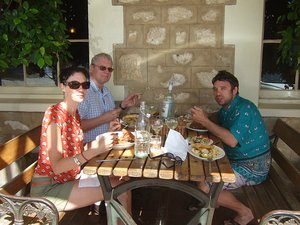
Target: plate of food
{"x": 196, "y": 127}
{"x": 200, "y": 139}
{"x": 203, "y": 152}
{"x": 130, "y": 120}
{"x": 123, "y": 139}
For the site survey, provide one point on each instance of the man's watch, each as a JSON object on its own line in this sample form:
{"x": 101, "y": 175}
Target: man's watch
{"x": 120, "y": 105}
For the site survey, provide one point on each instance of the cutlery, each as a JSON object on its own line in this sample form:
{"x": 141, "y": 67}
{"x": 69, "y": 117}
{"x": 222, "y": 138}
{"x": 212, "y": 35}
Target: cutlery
{"x": 114, "y": 160}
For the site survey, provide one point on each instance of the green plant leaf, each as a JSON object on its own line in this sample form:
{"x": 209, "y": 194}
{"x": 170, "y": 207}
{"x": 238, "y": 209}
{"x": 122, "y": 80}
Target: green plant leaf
{"x": 25, "y": 5}
{"x": 3, "y": 64}
{"x": 42, "y": 51}
{"x": 41, "y": 62}
{"x": 17, "y": 21}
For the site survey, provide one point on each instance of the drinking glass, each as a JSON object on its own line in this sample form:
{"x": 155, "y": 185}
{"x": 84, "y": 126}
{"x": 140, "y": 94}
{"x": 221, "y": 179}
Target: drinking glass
{"x": 155, "y": 145}
{"x": 171, "y": 122}
{"x": 142, "y": 144}
{"x": 156, "y": 125}
{"x": 152, "y": 109}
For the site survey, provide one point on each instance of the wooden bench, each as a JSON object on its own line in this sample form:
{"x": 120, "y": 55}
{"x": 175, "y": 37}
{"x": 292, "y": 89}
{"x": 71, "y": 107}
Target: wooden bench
{"x": 281, "y": 191}
{"x": 15, "y": 205}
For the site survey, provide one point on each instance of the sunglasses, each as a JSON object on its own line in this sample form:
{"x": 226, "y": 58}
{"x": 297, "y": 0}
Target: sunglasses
{"x": 76, "y": 84}
{"x": 103, "y": 68}
{"x": 170, "y": 161}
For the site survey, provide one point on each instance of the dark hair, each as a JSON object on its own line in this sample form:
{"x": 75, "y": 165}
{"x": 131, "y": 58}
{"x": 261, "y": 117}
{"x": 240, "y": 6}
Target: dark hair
{"x": 223, "y": 75}
{"x": 66, "y": 73}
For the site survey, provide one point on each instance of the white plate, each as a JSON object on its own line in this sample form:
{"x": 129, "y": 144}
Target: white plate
{"x": 123, "y": 145}
{"x": 195, "y": 129}
{"x": 191, "y": 141}
{"x": 221, "y": 153}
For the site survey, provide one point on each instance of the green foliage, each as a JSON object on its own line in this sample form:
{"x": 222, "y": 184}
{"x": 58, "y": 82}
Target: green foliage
{"x": 289, "y": 47}
{"x": 32, "y": 32}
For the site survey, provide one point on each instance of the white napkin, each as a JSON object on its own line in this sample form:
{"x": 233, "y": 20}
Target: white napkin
{"x": 176, "y": 144}
{"x": 87, "y": 180}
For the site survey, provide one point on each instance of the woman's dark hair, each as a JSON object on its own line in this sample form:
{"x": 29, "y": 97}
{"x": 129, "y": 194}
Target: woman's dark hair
{"x": 223, "y": 75}
{"x": 66, "y": 73}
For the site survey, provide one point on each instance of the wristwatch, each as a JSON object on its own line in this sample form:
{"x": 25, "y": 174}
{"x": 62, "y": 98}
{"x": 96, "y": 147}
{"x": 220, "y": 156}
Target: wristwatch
{"x": 76, "y": 160}
{"x": 120, "y": 105}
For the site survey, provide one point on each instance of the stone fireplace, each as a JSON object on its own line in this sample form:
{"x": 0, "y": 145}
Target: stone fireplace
{"x": 178, "y": 40}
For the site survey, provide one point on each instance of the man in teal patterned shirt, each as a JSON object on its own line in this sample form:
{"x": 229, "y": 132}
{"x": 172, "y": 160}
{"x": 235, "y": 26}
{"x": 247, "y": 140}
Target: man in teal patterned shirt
{"x": 246, "y": 141}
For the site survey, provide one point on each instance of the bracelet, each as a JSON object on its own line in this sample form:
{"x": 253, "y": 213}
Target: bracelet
{"x": 120, "y": 105}
{"x": 84, "y": 157}
{"x": 76, "y": 160}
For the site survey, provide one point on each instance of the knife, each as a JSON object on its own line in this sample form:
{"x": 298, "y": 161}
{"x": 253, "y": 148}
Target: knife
{"x": 114, "y": 160}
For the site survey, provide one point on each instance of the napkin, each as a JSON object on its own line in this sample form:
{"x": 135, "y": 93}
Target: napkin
{"x": 87, "y": 180}
{"x": 176, "y": 144}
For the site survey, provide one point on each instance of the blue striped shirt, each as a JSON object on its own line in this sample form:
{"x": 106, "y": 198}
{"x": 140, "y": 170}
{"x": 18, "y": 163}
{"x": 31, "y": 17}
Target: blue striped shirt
{"x": 95, "y": 104}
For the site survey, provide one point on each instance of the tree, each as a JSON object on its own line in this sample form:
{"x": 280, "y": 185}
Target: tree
{"x": 32, "y": 32}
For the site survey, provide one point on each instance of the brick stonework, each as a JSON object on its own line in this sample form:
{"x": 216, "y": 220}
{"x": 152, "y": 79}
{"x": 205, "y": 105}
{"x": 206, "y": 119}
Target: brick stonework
{"x": 172, "y": 40}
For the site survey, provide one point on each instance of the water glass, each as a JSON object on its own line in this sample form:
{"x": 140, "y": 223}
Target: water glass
{"x": 142, "y": 144}
{"x": 156, "y": 125}
{"x": 171, "y": 122}
{"x": 155, "y": 145}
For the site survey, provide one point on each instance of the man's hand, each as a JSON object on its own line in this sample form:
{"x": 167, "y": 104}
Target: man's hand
{"x": 114, "y": 125}
{"x": 111, "y": 115}
{"x": 199, "y": 115}
{"x": 130, "y": 100}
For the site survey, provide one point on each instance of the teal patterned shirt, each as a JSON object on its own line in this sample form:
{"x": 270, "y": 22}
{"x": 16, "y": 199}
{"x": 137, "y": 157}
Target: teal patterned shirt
{"x": 244, "y": 121}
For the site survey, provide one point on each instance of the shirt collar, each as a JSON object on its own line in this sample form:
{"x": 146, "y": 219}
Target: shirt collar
{"x": 233, "y": 103}
{"x": 95, "y": 88}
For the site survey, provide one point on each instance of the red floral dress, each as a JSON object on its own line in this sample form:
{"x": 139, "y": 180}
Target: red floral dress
{"x": 72, "y": 142}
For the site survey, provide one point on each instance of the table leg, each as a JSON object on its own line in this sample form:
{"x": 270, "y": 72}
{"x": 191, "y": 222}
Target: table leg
{"x": 205, "y": 215}
{"x": 114, "y": 210}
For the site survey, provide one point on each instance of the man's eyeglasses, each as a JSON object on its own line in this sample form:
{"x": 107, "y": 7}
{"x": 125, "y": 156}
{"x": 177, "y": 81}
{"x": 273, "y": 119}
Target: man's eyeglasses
{"x": 76, "y": 84}
{"x": 103, "y": 68}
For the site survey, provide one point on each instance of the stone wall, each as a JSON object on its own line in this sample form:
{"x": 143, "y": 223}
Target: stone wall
{"x": 16, "y": 123}
{"x": 174, "y": 40}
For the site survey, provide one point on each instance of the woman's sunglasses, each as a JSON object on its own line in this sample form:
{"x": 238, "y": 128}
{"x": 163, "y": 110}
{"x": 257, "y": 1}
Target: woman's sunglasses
{"x": 103, "y": 68}
{"x": 76, "y": 84}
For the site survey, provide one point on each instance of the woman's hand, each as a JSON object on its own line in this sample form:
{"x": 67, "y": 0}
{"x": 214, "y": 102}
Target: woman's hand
{"x": 103, "y": 143}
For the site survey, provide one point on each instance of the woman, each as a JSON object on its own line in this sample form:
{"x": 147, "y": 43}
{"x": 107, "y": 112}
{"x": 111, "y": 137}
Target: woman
{"x": 62, "y": 151}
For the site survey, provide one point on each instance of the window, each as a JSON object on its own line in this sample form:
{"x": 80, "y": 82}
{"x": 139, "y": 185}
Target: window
{"x": 275, "y": 76}
{"x": 76, "y": 17}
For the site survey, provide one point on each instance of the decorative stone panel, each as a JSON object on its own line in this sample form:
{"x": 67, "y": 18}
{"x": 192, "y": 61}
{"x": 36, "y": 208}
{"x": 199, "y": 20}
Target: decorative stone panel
{"x": 174, "y": 40}
{"x": 179, "y": 14}
{"x": 209, "y": 15}
{"x": 143, "y": 15}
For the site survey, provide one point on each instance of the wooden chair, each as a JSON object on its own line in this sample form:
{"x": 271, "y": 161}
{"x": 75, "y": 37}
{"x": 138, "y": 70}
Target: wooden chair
{"x": 27, "y": 210}
{"x": 278, "y": 217}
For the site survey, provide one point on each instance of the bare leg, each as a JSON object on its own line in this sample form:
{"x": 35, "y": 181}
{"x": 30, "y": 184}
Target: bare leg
{"x": 82, "y": 197}
{"x": 228, "y": 200}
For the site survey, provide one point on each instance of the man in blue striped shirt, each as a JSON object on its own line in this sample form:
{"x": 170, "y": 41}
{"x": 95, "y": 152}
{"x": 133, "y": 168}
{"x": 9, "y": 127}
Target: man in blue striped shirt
{"x": 98, "y": 109}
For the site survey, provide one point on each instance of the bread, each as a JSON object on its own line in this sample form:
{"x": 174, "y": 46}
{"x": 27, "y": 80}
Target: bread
{"x": 127, "y": 136}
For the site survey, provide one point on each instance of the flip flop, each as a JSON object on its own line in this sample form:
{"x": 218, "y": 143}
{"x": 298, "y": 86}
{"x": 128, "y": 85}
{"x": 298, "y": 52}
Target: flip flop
{"x": 231, "y": 222}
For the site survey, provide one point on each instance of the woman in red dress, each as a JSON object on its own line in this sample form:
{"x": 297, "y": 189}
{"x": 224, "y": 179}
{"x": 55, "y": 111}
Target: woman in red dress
{"x": 62, "y": 151}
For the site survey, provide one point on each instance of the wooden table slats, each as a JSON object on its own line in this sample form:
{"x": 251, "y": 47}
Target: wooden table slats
{"x": 192, "y": 169}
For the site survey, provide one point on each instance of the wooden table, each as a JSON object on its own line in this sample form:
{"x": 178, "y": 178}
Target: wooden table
{"x": 153, "y": 173}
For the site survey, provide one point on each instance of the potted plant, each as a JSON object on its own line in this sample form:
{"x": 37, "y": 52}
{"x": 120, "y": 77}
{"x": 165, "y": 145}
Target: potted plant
{"x": 289, "y": 48}
{"x": 32, "y": 32}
